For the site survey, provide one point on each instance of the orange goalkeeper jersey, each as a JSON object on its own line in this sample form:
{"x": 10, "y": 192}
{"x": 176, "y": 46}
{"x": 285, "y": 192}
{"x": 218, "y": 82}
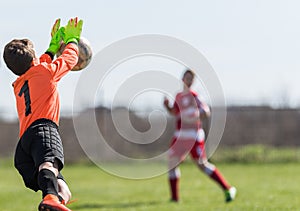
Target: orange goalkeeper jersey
{"x": 36, "y": 90}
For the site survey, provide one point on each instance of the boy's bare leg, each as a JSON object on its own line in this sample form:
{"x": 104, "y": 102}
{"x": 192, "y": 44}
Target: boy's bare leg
{"x": 64, "y": 191}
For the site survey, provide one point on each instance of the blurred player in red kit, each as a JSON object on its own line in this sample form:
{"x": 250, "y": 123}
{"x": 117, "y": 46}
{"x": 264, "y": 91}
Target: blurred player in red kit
{"x": 39, "y": 154}
{"x": 189, "y": 138}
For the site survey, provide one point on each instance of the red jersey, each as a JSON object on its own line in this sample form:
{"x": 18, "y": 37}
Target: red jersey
{"x": 36, "y": 90}
{"x": 187, "y": 105}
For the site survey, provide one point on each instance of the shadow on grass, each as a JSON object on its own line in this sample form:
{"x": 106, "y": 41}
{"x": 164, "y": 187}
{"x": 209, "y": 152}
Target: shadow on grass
{"x": 114, "y": 205}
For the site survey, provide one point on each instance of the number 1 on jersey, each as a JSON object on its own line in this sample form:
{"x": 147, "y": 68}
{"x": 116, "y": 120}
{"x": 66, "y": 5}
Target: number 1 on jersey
{"x": 25, "y": 90}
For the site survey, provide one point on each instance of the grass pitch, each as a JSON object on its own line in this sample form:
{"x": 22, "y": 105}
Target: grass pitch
{"x": 260, "y": 187}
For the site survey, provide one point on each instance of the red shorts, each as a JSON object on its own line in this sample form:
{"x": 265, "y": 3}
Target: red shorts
{"x": 181, "y": 147}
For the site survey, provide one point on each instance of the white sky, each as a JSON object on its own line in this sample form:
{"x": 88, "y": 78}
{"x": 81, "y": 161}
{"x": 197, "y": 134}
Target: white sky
{"x": 253, "y": 45}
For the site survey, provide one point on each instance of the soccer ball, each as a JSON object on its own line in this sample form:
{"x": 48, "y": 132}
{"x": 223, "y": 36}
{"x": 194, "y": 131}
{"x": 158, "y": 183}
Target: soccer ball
{"x": 85, "y": 54}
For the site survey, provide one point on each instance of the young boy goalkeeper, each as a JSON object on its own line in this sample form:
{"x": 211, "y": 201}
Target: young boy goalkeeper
{"x": 39, "y": 154}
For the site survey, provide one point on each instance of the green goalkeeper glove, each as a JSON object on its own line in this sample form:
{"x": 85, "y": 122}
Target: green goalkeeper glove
{"x": 56, "y": 37}
{"x": 73, "y": 31}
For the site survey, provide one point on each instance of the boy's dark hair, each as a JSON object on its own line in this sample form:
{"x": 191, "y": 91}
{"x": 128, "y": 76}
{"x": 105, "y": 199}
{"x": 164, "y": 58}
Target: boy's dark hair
{"x": 18, "y": 55}
{"x": 188, "y": 71}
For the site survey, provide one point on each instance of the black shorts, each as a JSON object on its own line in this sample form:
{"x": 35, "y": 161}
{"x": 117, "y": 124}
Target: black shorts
{"x": 40, "y": 143}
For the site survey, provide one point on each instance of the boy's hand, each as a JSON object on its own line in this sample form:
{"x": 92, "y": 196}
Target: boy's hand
{"x": 56, "y": 37}
{"x": 166, "y": 102}
{"x": 55, "y": 27}
{"x": 73, "y": 31}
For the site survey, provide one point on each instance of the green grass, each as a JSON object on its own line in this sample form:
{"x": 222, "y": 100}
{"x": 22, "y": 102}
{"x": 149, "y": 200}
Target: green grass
{"x": 260, "y": 187}
{"x": 257, "y": 154}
